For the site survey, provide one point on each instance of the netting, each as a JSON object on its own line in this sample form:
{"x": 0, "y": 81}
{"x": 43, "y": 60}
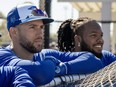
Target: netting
{"x": 105, "y": 77}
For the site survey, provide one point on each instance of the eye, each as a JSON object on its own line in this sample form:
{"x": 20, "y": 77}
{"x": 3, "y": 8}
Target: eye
{"x": 42, "y": 26}
{"x": 32, "y": 27}
{"x": 101, "y": 35}
{"x": 93, "y": 35}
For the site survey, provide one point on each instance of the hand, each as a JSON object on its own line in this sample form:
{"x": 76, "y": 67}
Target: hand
{"x": 61, "y": 69}
{"x": 56, "y": 61}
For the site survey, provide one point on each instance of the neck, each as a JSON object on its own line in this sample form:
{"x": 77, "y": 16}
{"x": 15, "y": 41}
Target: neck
{"x": 77, "y": 49}
{"x": 22, "y": 53}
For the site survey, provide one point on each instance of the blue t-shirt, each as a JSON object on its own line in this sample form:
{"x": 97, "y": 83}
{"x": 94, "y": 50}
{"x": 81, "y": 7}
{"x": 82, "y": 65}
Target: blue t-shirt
{"x": 14, "y": 77}
{"x": 42, "y": 71}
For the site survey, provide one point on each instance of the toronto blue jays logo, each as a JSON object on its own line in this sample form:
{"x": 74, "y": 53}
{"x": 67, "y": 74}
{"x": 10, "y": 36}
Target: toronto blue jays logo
{"x": 36, "y": 12}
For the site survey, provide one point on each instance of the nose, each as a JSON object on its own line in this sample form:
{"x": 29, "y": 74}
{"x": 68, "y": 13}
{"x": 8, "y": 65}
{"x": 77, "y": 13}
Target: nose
{"x": 40, "y": 30}
{"x": 100, "y": 40}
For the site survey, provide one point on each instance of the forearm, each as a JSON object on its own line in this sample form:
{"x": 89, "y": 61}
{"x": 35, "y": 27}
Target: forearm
{"x": 84, "y": 67}
{"x": 41, "y": 72}
{"x": 84, "y": 64}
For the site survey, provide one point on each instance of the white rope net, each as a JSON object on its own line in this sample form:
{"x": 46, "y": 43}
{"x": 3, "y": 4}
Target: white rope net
{"x": 105, "y": 77}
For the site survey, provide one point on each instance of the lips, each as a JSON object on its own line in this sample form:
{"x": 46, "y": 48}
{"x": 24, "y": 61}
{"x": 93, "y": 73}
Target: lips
{"x": 98, "y": 48}
{"x": 39, "y": 40}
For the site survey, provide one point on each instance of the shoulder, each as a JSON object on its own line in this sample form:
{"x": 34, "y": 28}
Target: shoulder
{"x": 50, "y": 52}
{"x": 5, "y": 52}
{"x": 105, "y": 52}
{"x": 109, "y": 56}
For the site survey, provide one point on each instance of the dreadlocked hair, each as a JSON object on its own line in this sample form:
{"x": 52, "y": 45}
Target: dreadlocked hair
{"x": 65, "y": 36}
{"x": 78, "y": 25}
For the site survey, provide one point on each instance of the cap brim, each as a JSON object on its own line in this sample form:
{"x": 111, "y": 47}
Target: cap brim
{"x": 44, "y": 19}
{"x": 47, "y": 21}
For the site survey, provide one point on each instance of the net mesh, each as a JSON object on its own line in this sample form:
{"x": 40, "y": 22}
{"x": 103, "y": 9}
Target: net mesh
{"x": 105, "y": 77}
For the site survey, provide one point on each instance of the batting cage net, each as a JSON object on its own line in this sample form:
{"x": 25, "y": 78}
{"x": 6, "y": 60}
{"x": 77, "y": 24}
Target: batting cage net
{"x": 105, "y": 77}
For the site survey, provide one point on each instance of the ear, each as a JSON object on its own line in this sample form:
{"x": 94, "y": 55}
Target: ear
{"x": 12, "y": 31}
{"x": 77, "y": 39}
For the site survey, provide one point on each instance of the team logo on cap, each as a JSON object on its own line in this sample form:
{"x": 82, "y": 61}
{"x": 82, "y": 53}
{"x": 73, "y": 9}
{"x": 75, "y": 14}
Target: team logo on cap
{"x": 36, "y": 12}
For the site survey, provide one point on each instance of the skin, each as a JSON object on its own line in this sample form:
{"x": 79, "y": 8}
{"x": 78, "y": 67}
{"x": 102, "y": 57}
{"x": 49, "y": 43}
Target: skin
{"x": 27, "y": 38}
{"x": 91, "y": 39}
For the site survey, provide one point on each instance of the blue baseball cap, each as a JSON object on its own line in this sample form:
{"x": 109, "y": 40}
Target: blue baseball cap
{"x": 26, "y": 13}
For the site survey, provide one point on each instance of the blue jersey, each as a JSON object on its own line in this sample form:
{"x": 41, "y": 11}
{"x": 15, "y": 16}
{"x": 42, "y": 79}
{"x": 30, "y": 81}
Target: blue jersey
{"x": 42, "y": 71}
{"x": 14, "y": 77}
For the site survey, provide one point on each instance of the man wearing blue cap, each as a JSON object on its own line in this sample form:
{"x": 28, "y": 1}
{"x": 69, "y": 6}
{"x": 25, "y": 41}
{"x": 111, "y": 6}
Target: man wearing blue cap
{"x": 25, "y": 24}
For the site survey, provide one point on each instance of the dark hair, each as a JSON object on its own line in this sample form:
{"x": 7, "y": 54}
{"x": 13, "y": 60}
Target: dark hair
{"x": 65, "y": 36}
{"x": 68, "y": 29}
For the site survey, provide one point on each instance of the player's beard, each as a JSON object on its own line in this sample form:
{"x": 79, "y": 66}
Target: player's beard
{"x": 85, "y": 47}
{"x": 29, "y": 46}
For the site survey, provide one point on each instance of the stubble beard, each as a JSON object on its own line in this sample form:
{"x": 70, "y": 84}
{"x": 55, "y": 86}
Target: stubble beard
{"x": 29, "y": 46}
{"x": 85, "y": 47}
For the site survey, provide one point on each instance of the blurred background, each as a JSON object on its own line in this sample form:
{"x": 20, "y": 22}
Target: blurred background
{"x": 104, "y": 11}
